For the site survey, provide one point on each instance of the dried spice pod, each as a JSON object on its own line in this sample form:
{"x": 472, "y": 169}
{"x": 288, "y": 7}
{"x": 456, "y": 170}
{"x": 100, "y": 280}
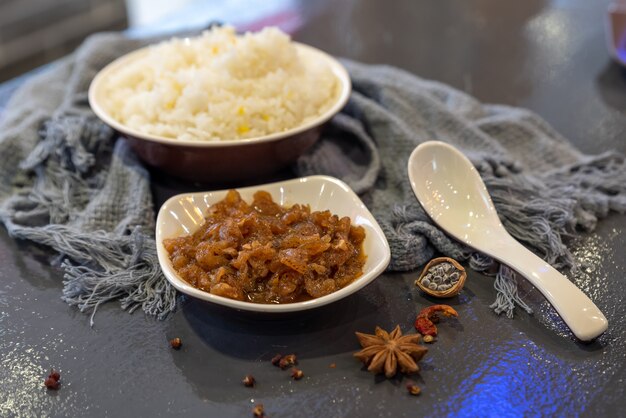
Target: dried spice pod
{"x": 451, "y": 280}
{"x": 388, "y": 352}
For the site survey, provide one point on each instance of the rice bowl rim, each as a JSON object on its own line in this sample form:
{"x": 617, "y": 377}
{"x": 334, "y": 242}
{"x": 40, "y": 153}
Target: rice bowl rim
{"x": 97, "y": 84}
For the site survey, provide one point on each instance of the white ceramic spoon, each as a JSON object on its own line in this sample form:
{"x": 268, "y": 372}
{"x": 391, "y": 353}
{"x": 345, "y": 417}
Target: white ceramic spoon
{"x": 455, "y": 197}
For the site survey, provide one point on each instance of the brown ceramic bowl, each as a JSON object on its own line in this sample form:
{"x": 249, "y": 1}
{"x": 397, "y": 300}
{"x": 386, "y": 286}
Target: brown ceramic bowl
{"x": 229, "y": 159}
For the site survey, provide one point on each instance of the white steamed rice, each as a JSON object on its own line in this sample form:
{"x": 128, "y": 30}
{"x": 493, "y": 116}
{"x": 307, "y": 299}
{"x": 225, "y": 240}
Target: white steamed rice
{"x": 220, "y": 86}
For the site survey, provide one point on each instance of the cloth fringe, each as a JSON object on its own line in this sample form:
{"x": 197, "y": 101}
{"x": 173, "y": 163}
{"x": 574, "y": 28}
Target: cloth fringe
{"x": 137, "y": 283}
{"x": 543, "y": 212}
{"x": 70, "y": 165}
{"x": 507, "y": 294}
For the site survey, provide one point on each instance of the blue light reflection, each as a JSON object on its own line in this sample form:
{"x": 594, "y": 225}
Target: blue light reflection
{"x": 523, "y": 381}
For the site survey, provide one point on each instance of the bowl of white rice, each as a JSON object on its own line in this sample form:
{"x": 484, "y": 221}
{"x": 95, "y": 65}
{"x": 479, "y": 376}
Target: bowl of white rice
{"x": 221, "y": 106}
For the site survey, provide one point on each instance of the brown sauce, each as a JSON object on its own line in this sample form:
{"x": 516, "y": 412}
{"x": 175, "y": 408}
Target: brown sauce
{"x": 265, "y": 253}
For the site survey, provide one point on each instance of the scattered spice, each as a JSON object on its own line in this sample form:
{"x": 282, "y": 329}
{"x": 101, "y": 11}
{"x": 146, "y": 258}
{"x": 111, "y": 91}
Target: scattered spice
{"x": 384, "y": 351}
{"x": 176, "y": 343}
{"x": 413, "y": 389}
{"x": 425, "y": 321}
{"x": 332, "y": 365}
{"x": 442, "y": 277}
{"x": 52, "y": 381}
{"x": 276, "y": 359}
{"x": 297, "y": 374}
{"x": 249, "y": 381}
{"x": 428, "y": 339}
{"x": 287, "y": 361}
{"x": 258, "y": 411}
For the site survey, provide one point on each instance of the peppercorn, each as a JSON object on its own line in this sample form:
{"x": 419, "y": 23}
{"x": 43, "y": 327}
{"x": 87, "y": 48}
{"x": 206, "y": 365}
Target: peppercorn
{"x": 249, "y": 381}
{"x": 413, "y": 389}
{"x": 297, "y": 374}
{"x": 276, "y": 359}
{"x": 52, "y": 381}
{"x": 176, "y": 343}
{"x": 258, "y": 411}
{"x": 287, "y": 361}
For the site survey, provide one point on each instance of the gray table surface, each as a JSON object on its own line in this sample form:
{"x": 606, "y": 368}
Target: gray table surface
{"x": 549, "y": 56}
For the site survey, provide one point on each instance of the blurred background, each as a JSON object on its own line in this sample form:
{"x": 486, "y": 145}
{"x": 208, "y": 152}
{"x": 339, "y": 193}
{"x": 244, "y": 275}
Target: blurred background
{"x": 34, "y": 32}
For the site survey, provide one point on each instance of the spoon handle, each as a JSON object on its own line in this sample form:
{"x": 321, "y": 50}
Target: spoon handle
{"x": 580, "y": 314}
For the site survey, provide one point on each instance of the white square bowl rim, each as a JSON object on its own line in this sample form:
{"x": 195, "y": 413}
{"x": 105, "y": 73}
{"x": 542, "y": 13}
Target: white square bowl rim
{"x": 375, "y": 233}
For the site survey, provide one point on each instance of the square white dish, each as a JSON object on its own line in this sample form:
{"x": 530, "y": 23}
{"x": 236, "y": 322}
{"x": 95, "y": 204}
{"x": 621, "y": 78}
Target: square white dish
{"x": 183, "y": 214}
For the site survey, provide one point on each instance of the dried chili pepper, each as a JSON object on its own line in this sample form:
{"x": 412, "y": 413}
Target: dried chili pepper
{"x": 428, "y": 317}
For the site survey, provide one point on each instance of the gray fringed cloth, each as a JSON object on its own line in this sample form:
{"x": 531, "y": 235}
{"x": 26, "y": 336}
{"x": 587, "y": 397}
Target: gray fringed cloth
{"x": 70, "y": 184}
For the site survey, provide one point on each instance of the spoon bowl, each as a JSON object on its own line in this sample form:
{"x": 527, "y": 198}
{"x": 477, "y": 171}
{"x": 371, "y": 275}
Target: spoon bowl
{"x": 452, "y": 193}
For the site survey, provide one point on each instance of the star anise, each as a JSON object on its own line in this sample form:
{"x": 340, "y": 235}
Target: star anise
{"x": 385, "y": 351}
